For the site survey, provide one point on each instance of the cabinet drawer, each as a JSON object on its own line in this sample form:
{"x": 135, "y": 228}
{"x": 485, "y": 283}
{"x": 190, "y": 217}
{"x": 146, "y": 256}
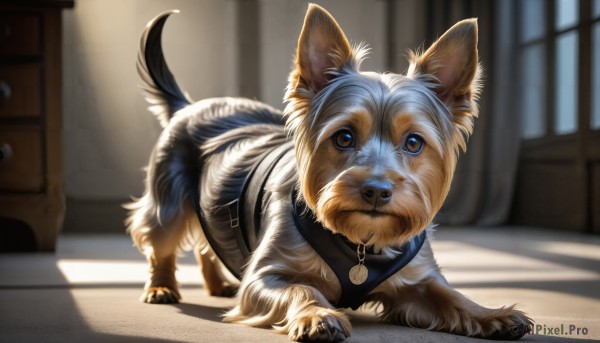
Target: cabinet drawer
{"x": 23, "y": 170}
{"x": 19, "y": 34}
{"x": 20, "y": 90}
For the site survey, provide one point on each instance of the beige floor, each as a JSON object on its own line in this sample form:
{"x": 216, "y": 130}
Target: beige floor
{"x": 88, "y": 290}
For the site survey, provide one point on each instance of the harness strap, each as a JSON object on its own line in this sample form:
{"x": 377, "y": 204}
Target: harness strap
{"x": 244, "y": 214}
{"x": 248, "y": 208}
{"x": 341, "y": 255}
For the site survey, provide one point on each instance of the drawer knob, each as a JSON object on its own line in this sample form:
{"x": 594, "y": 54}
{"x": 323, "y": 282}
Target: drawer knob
{"x": 5, "y": 92}
{"x": 5, "y": 152}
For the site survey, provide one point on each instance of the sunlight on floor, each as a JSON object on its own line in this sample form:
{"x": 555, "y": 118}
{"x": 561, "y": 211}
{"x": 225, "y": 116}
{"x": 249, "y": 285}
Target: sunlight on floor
{"x": 572, "y": 249}
{"x": 462, "y": 262}
{"x": 118, "y": 272}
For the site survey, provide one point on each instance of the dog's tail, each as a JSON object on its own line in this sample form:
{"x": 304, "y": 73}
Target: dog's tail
{"x": 162, "y": 92}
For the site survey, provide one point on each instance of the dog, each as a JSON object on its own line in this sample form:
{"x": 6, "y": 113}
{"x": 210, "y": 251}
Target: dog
{"x": 323, "y": 206}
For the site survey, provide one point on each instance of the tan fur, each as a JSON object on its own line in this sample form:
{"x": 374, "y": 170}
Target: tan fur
{"x": 286, "y": 284}
{"x": 216, "y": 282}
{"x": 161, "y": 242}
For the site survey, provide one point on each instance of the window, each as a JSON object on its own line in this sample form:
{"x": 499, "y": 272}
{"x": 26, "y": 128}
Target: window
{"x": 565, "y": 95}
{"x": 567, "y": 14}
{"x": 558, "y": 100}
{"x": 533, "y": 67}
{"x": 551, "y": 36}
{"x": 533, "y": 105}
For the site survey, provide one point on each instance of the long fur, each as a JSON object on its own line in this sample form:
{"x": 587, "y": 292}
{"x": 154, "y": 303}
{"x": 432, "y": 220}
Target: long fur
{"x": 207, "y": 148}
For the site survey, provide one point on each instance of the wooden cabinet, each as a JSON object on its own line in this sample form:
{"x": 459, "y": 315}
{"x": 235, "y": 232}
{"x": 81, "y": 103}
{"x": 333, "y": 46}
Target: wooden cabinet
{"x": 31, "y": 167}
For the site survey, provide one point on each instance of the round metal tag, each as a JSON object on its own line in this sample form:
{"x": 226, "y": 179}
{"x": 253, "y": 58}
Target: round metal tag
{"x": 358, "y": 274}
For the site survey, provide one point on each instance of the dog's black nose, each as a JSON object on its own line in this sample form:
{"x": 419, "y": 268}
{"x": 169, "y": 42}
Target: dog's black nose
{"x": 377, "y": 192}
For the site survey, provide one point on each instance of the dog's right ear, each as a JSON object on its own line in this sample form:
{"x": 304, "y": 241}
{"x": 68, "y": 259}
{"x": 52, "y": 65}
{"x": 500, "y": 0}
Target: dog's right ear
{"x": 322, "y": 46}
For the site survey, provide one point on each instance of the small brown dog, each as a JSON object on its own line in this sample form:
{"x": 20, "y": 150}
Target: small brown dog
{"x": 321, "y": 207}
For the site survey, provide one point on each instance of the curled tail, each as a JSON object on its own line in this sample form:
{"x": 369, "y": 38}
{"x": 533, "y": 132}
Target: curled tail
{"x": 162, "y": 92}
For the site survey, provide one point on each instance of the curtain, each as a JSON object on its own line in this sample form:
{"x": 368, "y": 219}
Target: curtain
{"x": 483, "y": 186}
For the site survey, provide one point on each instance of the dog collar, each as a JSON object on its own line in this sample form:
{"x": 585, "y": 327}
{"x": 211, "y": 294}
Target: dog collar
{"x": 341, "y": 256}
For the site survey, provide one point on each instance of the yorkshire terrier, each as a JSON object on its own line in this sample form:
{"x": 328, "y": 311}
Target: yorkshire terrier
{"x": 324, "y": 206}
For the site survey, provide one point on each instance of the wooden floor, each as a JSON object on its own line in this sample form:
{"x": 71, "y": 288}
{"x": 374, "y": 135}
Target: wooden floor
{"x": 88, "y": 291}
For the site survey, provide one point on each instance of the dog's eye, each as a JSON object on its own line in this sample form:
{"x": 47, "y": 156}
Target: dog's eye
{"x": 343, "y": 139}
{"x": 414, "y": 144}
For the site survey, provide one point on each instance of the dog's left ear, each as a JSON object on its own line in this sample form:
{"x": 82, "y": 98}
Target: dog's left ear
{"x": 322, "y": 46}
{"x": 453, "y": 60}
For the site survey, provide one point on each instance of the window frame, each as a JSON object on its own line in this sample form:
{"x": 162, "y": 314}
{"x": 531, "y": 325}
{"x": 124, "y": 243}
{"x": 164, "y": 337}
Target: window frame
{"x": 583, "y": 144}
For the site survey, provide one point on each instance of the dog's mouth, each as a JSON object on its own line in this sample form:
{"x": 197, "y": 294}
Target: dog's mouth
{"x": 374, "y": 213}
{"x": 371, "y": 213}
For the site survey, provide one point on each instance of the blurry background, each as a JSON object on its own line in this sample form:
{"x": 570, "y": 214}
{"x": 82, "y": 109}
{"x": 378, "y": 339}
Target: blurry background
{"x": 534, "y": 157}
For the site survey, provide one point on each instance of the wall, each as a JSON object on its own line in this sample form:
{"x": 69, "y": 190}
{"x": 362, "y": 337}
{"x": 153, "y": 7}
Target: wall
{"x": 280, "y": 25}
{"x": 214, "y": 48}
{"x": 108, "y": 133}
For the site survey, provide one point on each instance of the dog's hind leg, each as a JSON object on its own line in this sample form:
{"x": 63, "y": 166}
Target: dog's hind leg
{"x": 161, "y": 254}
{"x": 216, "y": 280}
{"x": 160, "y": 220}
{"x": 160, "y": 244}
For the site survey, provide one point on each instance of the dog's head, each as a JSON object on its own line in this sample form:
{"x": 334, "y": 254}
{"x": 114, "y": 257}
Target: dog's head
{"x": 376, "y": 152}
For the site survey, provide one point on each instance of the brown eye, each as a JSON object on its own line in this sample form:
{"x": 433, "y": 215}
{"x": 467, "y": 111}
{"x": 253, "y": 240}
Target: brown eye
{"x": 414, "y": 144}
{"x": 343, "y": 139}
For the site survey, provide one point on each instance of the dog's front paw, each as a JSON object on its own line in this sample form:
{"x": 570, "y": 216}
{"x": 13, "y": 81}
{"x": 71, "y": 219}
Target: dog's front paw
{"x": 508, "y": 324}
{"x": 160, "y": 295}
{"x": 319, "y": 325}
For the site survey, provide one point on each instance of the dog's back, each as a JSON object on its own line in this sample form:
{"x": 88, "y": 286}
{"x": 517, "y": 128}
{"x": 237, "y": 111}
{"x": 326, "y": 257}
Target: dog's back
{"x": 209, "y": 147}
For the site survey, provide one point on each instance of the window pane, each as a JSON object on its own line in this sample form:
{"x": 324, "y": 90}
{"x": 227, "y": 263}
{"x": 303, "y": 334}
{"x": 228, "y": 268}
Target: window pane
{"x": 532, "y": 19}
{"x": 595, "y": 120}
{"x": 566, "y": 83}
{"x": 567, "y": 13}
{"x": 532, "y": 103}
{"x": 596, "y": 8}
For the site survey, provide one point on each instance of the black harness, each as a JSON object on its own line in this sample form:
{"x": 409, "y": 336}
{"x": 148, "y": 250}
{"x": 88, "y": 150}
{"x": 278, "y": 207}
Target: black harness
{"x": 245, "y": 212}
{"x": 242, "y": 216}
{"x": 341, "y": 255}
